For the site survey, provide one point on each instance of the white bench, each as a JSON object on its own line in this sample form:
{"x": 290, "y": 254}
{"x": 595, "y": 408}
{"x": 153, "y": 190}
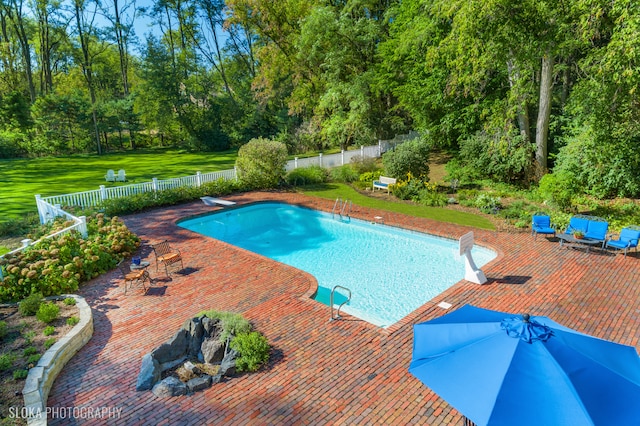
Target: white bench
{"x": 210, "y": 201}
{"x": 383, "y": 183}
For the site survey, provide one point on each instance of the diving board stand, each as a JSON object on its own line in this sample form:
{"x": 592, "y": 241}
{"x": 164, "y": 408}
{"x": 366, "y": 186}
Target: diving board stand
{"x": 471, "y": 271}
{"x": 210, "y": 201}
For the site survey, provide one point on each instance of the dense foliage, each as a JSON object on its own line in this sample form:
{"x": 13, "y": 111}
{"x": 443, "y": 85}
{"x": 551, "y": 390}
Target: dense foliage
{"x": 408, "y": 158}
{"x": 516, "y": 89}
{"x": 59, "y": 265}
{"x": 260, "y": 163}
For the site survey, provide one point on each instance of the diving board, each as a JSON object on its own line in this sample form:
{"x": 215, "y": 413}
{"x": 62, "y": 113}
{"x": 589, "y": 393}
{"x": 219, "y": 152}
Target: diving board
{"x": 210, "y": 201}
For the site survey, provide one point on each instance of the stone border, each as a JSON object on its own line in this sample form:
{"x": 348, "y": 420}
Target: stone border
{"x": 41, "y": 377}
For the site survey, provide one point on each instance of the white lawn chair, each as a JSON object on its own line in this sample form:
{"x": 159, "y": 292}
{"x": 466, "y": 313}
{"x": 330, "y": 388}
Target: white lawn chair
{"x": 110, "y": 176}
{"x": 121, "y": 177}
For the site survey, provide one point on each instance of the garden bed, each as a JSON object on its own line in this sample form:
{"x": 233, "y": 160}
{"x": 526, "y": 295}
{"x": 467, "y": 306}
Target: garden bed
{"x": 23, "y": 342}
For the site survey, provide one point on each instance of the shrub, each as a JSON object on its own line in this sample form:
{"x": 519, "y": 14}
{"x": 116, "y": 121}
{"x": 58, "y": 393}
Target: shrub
{"x": 71, "y": 321}
{"x": 3, "y": 329}
{"x": 344, "y": 173}
{"x": 364, "y": 164}
{"x": 30, "y": 305}
{"x": 49, "y": 342}
{"x": 253, "y": 350}
{"x": 369, "y": 177}
{"x": 408, "y": 189}
{"x": 6, "y": 361}
{"x": 70, "y": 301}
{"x": 49, "y": 330}
{"x": 487, "y": 203}
{"x": 232, "y": 324}
{"x": 33, "y": 359}
{"x": 20, "y": 374}
{"x": 432, "y": 198}
{"x": 558, "y": 189}
{"x": 28, "y": 337}
{"x": 260, "y": 163}
{"x": 306, "y": 176}
{"x": 48, "y": 312}
{"x": 409, "y": 157}
{"x": 58, "y": 265}
{"x": 30, "y": 351}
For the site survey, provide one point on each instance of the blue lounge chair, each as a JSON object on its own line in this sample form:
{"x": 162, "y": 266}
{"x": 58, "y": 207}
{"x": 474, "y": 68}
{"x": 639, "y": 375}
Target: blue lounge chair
{"x": 628, "y": 239}
{"x": 541, "y": 224}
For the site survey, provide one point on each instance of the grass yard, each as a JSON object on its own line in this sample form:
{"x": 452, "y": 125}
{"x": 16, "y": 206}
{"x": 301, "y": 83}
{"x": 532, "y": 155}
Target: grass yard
{"x": 335, "y": 190}
{"x": 22, "y": 179}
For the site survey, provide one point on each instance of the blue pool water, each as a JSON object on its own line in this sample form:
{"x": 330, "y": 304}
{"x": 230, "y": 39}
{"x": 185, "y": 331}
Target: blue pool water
{"x": 390, "y": 271}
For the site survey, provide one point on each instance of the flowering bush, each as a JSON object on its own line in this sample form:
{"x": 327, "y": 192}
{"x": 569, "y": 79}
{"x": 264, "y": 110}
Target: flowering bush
{"x": 58, "y": 265}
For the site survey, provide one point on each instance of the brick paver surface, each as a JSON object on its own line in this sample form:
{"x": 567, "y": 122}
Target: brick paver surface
{"x": 343, "y": 372}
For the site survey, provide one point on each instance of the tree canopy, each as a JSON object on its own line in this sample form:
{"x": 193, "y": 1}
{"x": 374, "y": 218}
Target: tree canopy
{"x": 516, "y": 89}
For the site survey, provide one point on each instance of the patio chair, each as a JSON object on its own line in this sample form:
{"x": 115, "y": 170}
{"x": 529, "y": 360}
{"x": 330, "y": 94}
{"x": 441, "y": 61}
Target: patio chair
{"x": 110, "y": 176}
{"x": 627, "y": 239}
{"x": 166, "y": 255}
{"x": 541, "y": 224}
{"x": 133, "y": 277}
{"x": 121, "y": 176}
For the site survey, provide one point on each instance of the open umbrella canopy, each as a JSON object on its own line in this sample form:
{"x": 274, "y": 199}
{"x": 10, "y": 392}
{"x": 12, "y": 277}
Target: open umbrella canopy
{"x": 504, "y": 369}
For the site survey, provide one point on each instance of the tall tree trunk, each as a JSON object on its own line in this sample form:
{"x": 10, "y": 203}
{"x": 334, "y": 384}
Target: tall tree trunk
{"x": 44, "y": 35}
{"x": 522, "y": 110}
{"x": 87, "y": 69}
{"x": 544, "y": 113}
{"x": 14, "y": 12}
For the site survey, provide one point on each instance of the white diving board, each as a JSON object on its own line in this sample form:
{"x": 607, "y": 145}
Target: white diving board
{"x": 210, "y": 201}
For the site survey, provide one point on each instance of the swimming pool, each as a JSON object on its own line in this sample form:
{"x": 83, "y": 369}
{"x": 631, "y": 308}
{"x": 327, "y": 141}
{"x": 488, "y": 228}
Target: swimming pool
{"x": 390, "y": 271}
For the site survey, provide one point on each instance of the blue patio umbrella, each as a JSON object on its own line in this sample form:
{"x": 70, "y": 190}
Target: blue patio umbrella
{"x": 504, "y": 369}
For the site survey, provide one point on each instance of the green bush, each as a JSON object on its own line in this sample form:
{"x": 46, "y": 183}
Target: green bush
{"x": 253, "y": 350}
{"x": 306, "y": 176}
{"x": 6, "y": 361}
{"x": 30, "y": 351}
{"x": 17, "y": 227}
{"x": 33, "y": 359}
{"x": 260, "y": 163}
{"x": 48, "y": 312}
{"x": 344, "y": 173}
{"x": 49, "y": 342}
{"x": 28, "y": 336}
{"x": 30, "y": 305}
{"x": 488, "y": 203}
{"x": 232, "y": 324}
{"x": 408, "y": 189}
{"x": 20, "y": 374}
{"x": 369, "y": 177}
{"x": 432, "y": 198}
{"x": 58, "y": 265}
{"x": 71, "y": 321}
{"x": 409, "y": 157}
{"x": 364, "y": 164}
{"x": 503, "y": 156}
{"x": 49, "y": 330}
{"x": 3, "y": 329}
{"x": 558, "y": 189}
{"x": 70, "y": 301}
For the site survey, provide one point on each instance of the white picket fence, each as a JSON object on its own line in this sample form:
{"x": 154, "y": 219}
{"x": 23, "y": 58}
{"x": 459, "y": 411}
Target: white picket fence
{"x": 96, "y": 197}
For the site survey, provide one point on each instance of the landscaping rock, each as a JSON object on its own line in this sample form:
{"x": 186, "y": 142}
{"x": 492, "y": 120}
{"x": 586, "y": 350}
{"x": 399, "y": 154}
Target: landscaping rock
{"x": 212, "y": 350}
{"x": 190, "y": 367}
{"x": 149, "y": 373}
{"x": 228, "y": 364}
{"x": 174, "y": 349}
{"x": 195, "y": 332}
{"x": 209, "y": 326}
{"x": 199, "y": 383}
{"x": 169, "y": 387}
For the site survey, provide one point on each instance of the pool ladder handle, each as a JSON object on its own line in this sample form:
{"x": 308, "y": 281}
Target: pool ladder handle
{"x": 337, "y": 316}
{"x": 343, "y": 207}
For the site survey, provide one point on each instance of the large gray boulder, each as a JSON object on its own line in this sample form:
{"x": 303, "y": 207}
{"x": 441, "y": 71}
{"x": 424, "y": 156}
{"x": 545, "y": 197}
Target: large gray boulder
{"x": 195, "y": 332}
{"x": 212, "y": 350}
{"x": 175, "y": 348}
{"x": 168, "y": 387}
{"x": 149, "y": 373}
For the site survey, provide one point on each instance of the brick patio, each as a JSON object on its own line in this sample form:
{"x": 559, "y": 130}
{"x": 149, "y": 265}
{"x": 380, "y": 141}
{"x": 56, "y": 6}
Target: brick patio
{"x": 343, "y": 372}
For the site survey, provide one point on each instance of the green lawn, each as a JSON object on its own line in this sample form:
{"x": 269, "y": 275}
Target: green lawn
{"x": 23, "y": 178}
{"x": 333, "y": 191}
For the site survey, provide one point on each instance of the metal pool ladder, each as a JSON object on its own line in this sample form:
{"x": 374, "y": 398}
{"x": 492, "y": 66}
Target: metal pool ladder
{"x": 342, "y": 207}
{"x": 337, "y": 315}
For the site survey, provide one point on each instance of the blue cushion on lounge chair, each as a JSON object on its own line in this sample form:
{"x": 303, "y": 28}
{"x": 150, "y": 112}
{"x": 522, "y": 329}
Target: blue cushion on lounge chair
{"x": 628, "y": 239}
{"x": 541, "y": 224}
